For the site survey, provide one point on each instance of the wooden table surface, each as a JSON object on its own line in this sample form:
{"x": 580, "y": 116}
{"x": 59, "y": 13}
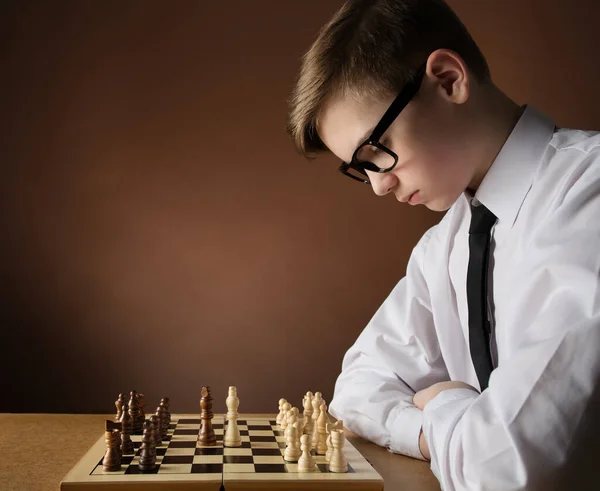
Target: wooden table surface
{"x": 38, "y": 450}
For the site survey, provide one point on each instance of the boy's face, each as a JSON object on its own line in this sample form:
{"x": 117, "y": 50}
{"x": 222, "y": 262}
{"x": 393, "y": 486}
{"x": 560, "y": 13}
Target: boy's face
{"x": 429, "y": 136}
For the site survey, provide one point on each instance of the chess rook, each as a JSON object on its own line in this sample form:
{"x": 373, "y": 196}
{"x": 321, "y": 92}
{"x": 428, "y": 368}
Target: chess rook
{"x": 338, "y": 462}
{"x": 232, "y": 434}
{"x": 112, "y": 458}
{"x": 206, "y": 436}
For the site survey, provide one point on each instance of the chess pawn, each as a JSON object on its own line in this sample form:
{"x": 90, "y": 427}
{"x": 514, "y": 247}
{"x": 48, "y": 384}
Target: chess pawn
{"x": 306, "y": 463}
{"x": 155, "y": 423}
{"x": 286, "y": 407}
{"x": 127, "y": 447}
{"x": 232, "y": 434}
{"x": 142, "y": 405}
{"x": 120, "y": 404}
{"x": 292, "y": 452}
{"x": 206, "y": 436}
{"x": 165, "y": 401}
{"x": 281, "y": 413}
{"x": 148, "y": 450}
{"x": 321, "y": 446}
{"x": 112, "y": 458}
{"x": 338, "y": 462}
{"x": 162, "y": 422}
{"x": 307, "y": 404}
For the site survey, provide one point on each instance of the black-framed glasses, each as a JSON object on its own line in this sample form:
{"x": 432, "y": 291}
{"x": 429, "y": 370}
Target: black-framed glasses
{"x": 373, "y": 155}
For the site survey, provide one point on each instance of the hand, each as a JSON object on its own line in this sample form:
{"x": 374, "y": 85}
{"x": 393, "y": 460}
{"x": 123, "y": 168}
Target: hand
{"x": 422, "y": 398}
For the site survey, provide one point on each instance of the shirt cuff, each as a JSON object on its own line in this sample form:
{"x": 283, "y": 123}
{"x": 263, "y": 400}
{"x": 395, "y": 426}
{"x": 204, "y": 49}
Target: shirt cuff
{"x": 404, "y": 432}
{"x": 439, "y": 425}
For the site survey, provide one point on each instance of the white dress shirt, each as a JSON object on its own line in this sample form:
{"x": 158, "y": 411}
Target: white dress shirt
{"x": 544, "y": 187}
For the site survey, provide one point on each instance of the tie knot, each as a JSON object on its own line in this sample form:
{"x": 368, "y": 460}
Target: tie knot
{"x": 482, "y": 220}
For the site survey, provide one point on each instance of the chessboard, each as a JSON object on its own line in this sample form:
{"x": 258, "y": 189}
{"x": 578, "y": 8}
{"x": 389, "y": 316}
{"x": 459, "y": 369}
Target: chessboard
{"x": 184, "y": 464}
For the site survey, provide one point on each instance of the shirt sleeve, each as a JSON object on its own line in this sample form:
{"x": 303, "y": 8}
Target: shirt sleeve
{"x": 396, "y": 354}
{"x": 521, "y": 432}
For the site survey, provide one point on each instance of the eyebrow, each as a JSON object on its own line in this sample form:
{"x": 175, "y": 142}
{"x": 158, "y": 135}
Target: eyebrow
{"x": 361, "y": 140}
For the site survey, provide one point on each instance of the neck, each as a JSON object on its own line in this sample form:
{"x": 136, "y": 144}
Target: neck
{"x": 497, "y": 116}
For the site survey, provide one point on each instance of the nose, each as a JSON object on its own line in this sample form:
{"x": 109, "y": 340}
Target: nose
{"x": 382, "y": 183}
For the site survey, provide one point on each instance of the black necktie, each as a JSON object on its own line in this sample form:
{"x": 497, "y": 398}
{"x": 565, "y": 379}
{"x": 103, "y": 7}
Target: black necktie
{"x": 482, "y": 221}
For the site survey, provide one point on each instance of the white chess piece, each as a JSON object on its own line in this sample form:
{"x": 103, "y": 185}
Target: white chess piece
{"x": 280, "y": 414}
{"x": 307, "y": 461}
{"x": 338, "y": 462}
{"x": 328, "y": 442}
{"x": 232, "y": 434}
{"x": 308, "y": 412}
{"x": 292, "y": 452}
{"x": 321, "y": 446}
{"x": 338, "y": 425}
{"x": 316, "y": 404}
{"x": 285, "y": 408}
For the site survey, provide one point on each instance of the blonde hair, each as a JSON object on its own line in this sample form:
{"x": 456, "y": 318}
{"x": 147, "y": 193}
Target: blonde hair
{"x": 371, "y": 48}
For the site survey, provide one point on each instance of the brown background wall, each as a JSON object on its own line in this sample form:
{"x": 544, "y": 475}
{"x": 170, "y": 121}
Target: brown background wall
{"x": 158, "y": 230}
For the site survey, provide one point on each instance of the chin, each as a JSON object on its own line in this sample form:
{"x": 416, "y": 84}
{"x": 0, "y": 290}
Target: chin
{"x": 438, "y": 205}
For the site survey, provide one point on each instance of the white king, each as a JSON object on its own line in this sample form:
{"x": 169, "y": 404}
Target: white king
{"x": 232, "y": 434}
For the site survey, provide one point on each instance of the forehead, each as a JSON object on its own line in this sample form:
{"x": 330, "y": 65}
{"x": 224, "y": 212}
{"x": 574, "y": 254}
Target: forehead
{"x": 345, "y": 122}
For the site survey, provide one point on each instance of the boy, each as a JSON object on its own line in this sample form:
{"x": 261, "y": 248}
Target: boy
{"x": 485, "y": 357}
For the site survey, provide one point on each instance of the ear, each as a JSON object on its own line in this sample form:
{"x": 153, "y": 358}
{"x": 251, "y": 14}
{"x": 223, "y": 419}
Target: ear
{"x": 451, "y": 75}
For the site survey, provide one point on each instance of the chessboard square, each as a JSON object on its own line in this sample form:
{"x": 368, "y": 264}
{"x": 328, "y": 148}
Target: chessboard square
{"x": 268, "y": 459}
{"x": 238, "y": 468}
{"x": 207, "y": 468}
{"x": 255, "y": 433}
{"x": 259, "y": 438}
{"x": 182, "y": 431}
{"x": 178, "y": 459}
{"x": 98, "y": 471}
{"x": 279, "y": 438}
{"x": 278, "y": 433}
{"x": 244, "y": 432}
{"x": 188, "y": 421}
{"x": 187, "y": 427}
{"x": 218, "y": 426}
{"x": 242, "y": 422}
{"x": 161, "y": 451}
{"x": 281, "y": 444}
{"x": 245, "y": 439}
{"x": 175, "y": 468}
{"x": 208, "y": 451}
{"x": 208, "y": 459}
{"x": 184, "y": 438}
{"x": 238, "y": 459}
{"x": 182, "y": 444}
{"x": 274, "y": 445}
{"x": 237, "y": 451}
{"x": 256, "y": 422}
{"x": 266, "y": 451}
{"x": 134, "y": 469}
{"x": 271, "y": 468}
{"x": 261, "y": 427}
{"x": 323, "y": 467}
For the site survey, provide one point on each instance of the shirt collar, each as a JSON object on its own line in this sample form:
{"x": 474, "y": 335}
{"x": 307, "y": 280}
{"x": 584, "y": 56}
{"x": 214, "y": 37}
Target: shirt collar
{"x": 510, "y": 176}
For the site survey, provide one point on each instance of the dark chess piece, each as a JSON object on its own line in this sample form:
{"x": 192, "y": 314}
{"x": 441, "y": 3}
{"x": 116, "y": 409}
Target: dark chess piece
{"x": 155, "y": 423}
{"x": 165, "y": 401}
{"x": 142, "y": 405}
{"x": 134, "y": 412}
{"x": 120, "y": 403}
{"x": 162, "y": 421}
{"x": 112, "y": 458}
{"x": 148, "y": 450}
{"x": 206, "y": 436}
{"x": 127, "y": 447}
